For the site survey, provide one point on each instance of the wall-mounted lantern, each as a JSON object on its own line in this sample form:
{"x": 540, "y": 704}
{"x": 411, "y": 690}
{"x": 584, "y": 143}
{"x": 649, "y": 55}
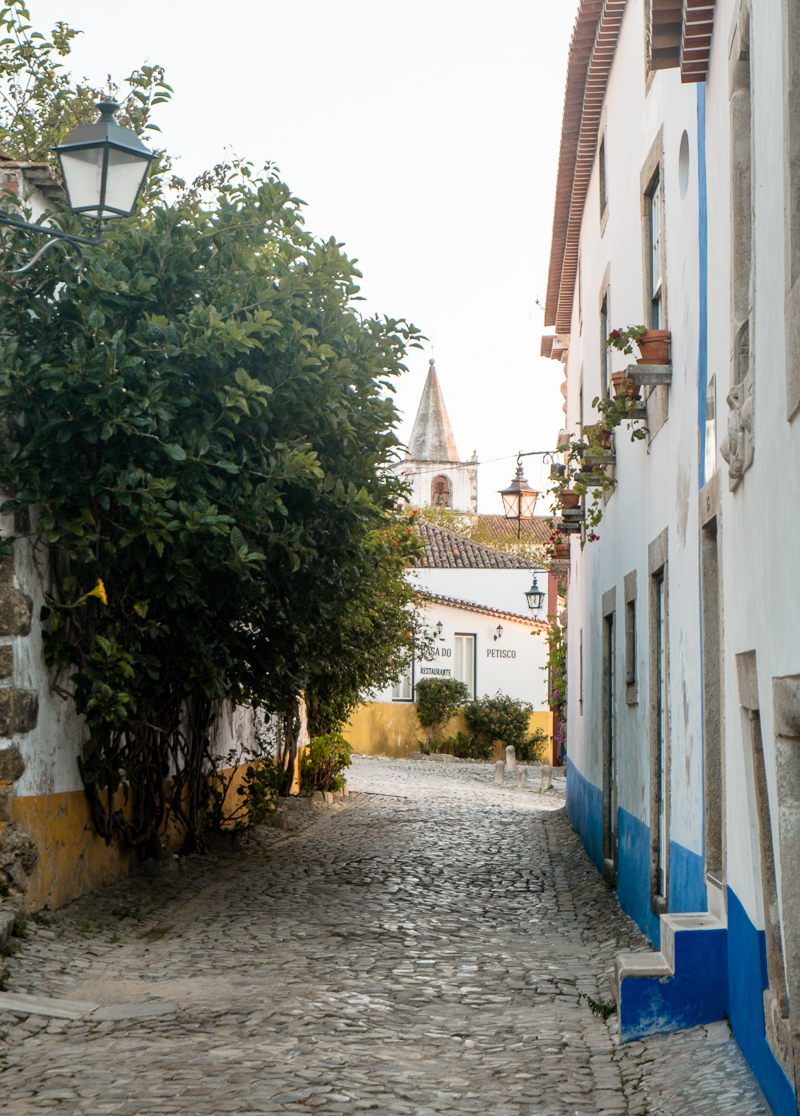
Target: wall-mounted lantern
{"x": 534, "y": 596}
{"x": 498, "y": 631}
{"x": 439, "y": 629}
{"x": 103, "y": 166}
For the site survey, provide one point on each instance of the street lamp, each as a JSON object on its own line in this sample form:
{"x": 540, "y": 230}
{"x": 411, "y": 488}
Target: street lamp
{"x": 519, "y": 499}
{"x": 535, "y": 596}
{"x": 103, "y": 166}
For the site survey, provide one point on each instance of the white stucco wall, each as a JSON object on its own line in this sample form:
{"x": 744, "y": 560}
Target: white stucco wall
{"x": 511, "y": 664}
{"x": 504, "y": 589}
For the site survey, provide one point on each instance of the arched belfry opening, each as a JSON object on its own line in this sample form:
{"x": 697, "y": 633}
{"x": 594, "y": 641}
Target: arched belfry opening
{"x": 441, "y": 493}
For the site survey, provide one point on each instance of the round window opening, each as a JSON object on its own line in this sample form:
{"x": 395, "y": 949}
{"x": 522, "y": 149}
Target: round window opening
{"x": 683, "y": 165}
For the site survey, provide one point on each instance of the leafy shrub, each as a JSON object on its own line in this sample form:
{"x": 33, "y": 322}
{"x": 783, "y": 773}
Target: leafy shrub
{"x": 438, "y": 699}
{"x": 323, "y": 763}
{"x": 532, "y": 750}
{"x": 258, "y": 790}
{"x": 506, "y": 719}
{"x": 463, "y": 746}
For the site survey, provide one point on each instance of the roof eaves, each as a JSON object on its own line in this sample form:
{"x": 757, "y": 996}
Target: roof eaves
{"x": 487, "y": 610}
{"x": 591, "y": 54}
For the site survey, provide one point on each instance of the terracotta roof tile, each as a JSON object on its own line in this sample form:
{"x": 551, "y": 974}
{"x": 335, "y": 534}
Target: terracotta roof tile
{"x": 533, "y": 530}
{"x": 445, "y": 550}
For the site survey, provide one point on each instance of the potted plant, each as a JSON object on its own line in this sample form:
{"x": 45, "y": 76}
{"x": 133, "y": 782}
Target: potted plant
{"x": 653, "y": 344}
{"x": 567, "y": 498}
{"x": 558, "y": 546}
{"x": 598, "y": 438}
{"x": 623, "y": 385}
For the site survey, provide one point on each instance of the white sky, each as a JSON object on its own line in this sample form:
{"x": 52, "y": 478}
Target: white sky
{"x": 424, "y": 135}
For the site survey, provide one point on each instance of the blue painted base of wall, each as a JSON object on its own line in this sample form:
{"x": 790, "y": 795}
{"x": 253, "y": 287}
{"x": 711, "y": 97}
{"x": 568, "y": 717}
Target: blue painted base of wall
{"x": 747, "y": 979}
{"x": 745, "y": 961}
{"x": 687, "y": 889}
{"x": 695, "y": 995}
{"x": 633, "y": 874}
{"x": 585, "y": 811}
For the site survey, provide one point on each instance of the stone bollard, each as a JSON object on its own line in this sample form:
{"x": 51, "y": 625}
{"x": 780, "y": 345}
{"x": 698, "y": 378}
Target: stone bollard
{"x": 511, "y": 758}
{"x": 522, "y": 776}
{"x": 547, "y": 777}
{"x": 499, "y": 771}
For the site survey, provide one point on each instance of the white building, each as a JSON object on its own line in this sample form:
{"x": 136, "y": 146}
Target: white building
{"x": 475, "y": 605}
{"x": 676, "y": 207}
{"x": 432, "y": 468}
{"x": 484, "y": 635}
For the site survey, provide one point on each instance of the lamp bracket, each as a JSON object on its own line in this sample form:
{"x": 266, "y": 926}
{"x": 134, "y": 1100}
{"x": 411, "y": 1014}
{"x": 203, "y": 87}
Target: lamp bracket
{"x": 56, "y": 235}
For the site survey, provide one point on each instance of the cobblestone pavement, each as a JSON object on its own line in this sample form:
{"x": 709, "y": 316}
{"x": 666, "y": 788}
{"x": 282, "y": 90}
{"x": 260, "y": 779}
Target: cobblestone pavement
{"x": 429, "y": 946}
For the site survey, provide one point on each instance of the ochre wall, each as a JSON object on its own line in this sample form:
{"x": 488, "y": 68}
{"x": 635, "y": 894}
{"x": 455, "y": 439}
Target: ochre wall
{"x": 73, "y": 859}
{"x": 391, "y": 728}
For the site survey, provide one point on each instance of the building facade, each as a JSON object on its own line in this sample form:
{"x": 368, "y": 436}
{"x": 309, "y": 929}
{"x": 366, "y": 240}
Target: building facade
{"x": 677, "y": 208}
{"x": 483, "y": 635}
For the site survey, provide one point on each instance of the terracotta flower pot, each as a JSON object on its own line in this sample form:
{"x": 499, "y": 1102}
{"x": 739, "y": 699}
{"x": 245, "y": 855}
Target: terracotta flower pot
{"x": 655, "y": 347}
{"x": 561, "y": 551}
{"x": 624, "y": 386}
{"x": 568, "y": 499}
{"x": 599, "y": 436}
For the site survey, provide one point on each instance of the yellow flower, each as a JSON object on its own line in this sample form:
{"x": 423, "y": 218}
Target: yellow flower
{"x": 99, "y": 591}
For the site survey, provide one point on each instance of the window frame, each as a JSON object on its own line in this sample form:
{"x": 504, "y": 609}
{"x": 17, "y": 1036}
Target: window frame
{"x": 474, "y": 637}
{"x": 412, "y": 680}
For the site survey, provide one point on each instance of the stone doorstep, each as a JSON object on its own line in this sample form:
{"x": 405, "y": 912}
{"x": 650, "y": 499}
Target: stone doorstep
{"x": 662, "y": 964}
{"x": 78, "y": 1009}
{"x": 662, "y": 996}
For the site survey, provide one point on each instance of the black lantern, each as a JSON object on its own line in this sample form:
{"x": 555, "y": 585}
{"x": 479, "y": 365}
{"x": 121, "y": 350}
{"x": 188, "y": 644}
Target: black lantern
{"x": 519, "y": 499}
{"x": 103, "y": 166}
{"x": 535, "y": 596}
{"x": 439, "y": 628}
{"x": 498, "y": 632}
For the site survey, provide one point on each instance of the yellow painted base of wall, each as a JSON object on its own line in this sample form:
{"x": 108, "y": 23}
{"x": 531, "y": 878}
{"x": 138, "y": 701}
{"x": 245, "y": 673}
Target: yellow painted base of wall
{"x": 391, "y": 728}
{"x": 72, "y": 858}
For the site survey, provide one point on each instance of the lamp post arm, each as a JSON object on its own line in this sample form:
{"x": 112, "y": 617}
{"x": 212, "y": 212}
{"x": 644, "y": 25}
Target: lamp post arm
{"x": 56, "y": 235}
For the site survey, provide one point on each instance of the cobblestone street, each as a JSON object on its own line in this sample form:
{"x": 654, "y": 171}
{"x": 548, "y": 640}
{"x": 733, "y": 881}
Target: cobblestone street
{"x": 430, "y": 945}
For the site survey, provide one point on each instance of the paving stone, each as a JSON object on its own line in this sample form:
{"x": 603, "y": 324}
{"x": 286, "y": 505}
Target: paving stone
{"x": 424, "y": 946}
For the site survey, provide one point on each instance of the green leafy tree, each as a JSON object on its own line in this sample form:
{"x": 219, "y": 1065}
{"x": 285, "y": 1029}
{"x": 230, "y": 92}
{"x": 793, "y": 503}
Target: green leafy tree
{"x": 40, "y": 102}
{"x": 198, "y": 429}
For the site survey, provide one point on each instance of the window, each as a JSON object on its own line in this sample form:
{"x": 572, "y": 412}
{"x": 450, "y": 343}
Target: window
{"x": 654, "y": 229}
{"x": 630, "y": 642}
{"x": 631, "y": 648}
{"x": 601, "y": 160}
{"x": 464, "y": 661}
{"x": 711, "y": 429}
{"x": 403, "y": 689}
{"x": 441, "y": 494}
